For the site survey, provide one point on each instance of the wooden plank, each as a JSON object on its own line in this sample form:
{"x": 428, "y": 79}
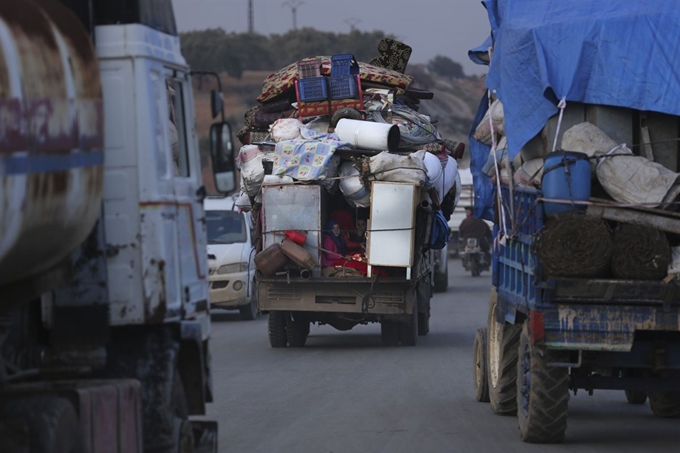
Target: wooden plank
{"x": 624, "y": 215}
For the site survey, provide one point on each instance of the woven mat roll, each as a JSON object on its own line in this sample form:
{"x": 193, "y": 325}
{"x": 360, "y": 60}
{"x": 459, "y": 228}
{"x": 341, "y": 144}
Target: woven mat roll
{"x": 575, "y": 245}
{"x": 640, "y": 253}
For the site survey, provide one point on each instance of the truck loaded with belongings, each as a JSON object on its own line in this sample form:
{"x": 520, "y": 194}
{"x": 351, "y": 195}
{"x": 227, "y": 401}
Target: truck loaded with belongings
{"x": 351, "y": 188}
{"x": 574, "y": 154}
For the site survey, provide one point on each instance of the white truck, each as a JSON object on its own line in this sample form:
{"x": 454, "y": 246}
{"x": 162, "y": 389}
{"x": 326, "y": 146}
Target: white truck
{"x": 104, "y": 322}
{"x": 231, "y": 250}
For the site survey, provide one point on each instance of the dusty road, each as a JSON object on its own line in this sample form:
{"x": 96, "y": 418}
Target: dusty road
{"x": 345, "y": 392}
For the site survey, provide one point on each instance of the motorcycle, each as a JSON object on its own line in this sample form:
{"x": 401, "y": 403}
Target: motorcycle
{"x": 474, "y": 258}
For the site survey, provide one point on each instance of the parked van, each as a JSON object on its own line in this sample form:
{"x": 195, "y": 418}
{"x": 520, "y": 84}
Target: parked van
{"x": 230, "y": 257}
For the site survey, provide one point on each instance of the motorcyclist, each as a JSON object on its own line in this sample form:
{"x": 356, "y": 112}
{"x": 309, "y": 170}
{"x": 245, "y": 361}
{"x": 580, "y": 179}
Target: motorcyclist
{"x": 472, "y": 227}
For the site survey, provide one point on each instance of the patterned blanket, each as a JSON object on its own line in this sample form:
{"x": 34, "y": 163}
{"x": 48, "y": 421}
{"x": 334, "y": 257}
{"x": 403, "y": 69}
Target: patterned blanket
{"x": 307, "y": 158}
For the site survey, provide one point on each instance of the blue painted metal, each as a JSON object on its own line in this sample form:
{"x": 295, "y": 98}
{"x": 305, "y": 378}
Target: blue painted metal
{"x": 583, "y": 314}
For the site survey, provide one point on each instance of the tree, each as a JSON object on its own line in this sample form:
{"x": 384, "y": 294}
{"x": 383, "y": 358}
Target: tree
{"x": 446, "y": 67}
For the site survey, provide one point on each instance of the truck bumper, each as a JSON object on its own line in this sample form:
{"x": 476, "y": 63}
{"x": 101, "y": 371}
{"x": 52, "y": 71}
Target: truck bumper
{"x": 230, "y": 290}
{"x": 387, "y": 296}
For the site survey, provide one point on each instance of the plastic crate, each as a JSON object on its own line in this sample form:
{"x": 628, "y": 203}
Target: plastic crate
{"x": 344, "y": 64}
{"x": 312, "y": 89}
{"x": 309, "y": 68}
{"x": 344, "y": 87}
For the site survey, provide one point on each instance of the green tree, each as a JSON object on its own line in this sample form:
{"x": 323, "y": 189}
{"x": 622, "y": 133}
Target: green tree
{"x": 446, "y": 67}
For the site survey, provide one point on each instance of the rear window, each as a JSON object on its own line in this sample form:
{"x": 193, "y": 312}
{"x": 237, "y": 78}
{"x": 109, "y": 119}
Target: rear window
{"x": 225, "y": 227}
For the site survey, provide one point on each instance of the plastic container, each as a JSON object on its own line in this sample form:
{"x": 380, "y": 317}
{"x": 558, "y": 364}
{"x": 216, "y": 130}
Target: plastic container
{"x": 369, "y": 135}
{"x": 298, "y": 255}
{"x": 309, "y": 67}
{"x": 566, "y": 176}
{"x": 271, "y": 260}
{"x": 344, "y": 87}
{"x": 344, "y": 64}
{"x": 296, "y": 236}
{"x": 313, "y": 89}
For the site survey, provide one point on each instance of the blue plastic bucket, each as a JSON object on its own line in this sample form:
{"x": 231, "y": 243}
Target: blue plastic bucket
{"x": 566, "y": 176}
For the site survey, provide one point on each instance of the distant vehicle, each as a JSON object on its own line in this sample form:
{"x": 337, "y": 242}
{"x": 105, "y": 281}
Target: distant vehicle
{"x": 474, "y": 259}
{"x": 467, "y": 198}
{"x": 230, "y": 257}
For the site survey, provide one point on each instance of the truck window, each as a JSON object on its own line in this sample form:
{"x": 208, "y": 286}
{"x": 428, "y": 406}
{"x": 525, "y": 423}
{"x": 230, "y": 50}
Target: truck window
{"x": 177, "y": 127}
{"x": 225, "y": 227}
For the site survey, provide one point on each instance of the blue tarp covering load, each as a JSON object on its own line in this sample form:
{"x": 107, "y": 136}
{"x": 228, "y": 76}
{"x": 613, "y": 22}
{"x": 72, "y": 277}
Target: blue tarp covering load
{"x": 623, "y": 53}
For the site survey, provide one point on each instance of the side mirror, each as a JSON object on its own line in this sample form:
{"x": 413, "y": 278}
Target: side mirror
{"x": 216, "y": 103}
{"x": 222, "y": 156}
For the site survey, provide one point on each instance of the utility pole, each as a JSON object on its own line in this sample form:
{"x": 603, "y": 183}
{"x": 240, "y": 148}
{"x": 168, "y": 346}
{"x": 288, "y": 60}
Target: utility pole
{"x": 293, "y": 5}
{"x": 251, "y": 22}
{"x": 352, "y": 22}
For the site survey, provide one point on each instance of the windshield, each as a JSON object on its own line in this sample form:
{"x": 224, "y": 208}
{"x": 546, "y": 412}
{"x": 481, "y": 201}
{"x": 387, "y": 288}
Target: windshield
{"x": 225, "y": 227}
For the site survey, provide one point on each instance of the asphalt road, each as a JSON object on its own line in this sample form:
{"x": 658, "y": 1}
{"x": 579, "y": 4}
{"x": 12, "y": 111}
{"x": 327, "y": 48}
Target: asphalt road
{"x": 345, "y": 392}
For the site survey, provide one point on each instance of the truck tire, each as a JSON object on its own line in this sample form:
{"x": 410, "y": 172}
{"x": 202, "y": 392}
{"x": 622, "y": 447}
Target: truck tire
{"x": 502, "y": 353}
{"x": 389, "y": 333}
{"x": 297, "y": 328}
{"x": 183, "y": 432}
{"x": 408, "y": 331}
{"x": 542, "y": 394}
{"x": 52, "y": 425}
{"x": 666, "y": 404}
{"x": 424, "y": 317}
{"x": 480, "y": 375}
{"x": 636, "y": 396}
{"x": 248, "y": 312}
{"x": 276, "y": 327}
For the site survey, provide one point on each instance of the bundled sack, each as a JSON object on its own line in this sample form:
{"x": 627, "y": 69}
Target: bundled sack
{"x": 530, "y": 173}
{"x": 588, "y": 139}
{"x": 483, "y": 131}
{"x": 249, "y": 161}
{"x": 286, "y": 129}
{"x": 628, "y": 178}
{"x": 397, "y": 168}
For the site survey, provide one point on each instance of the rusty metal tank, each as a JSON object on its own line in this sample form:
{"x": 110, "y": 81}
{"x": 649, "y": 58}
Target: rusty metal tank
{"x": 51, "y": 137}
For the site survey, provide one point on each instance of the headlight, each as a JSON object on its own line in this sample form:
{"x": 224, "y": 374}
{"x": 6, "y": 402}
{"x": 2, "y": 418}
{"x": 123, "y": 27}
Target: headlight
{"x": 232, "y": 268}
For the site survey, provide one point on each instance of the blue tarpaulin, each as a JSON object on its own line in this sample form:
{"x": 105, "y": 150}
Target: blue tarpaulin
{"x": 622, "y": 53}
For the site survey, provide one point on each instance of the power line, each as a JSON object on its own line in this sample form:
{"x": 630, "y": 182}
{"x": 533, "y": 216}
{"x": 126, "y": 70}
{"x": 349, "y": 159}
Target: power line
{"x": 251, "y": 21}
{"x": 293, "y": 5}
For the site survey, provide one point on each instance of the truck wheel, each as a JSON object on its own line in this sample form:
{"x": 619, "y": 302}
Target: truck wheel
{"x": 503, "y": 343}
{"x": 666, "y": 404}
{"x": 277, "y": 329}
{"x": 297, "y": 328}
{"x": 542, "y": 395}
{"x": 636, "y": 396}
{"x": 389, "y": 333}
{"x": 52, "y": 425}
{"x": 248, "y": 312}
{"x": 408, "y": 331}
{"x": 424, "y": 317}
{"x": 480, "y": 374}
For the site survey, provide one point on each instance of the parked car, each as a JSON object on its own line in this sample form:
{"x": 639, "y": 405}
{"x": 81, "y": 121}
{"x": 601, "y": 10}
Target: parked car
{"x": 230, "y": 257}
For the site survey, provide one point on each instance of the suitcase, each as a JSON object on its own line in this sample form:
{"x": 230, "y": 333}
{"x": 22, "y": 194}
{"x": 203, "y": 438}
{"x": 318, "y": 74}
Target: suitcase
{"x": 297, "y": 254}
{"x": 270, "y": 260}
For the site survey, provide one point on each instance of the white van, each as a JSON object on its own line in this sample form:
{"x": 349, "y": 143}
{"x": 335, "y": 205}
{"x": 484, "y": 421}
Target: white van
{"x": 230, "y": 257}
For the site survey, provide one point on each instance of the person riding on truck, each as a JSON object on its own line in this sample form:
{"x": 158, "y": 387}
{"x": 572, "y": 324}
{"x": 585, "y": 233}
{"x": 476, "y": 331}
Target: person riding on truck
{"x": 472, "y": 227}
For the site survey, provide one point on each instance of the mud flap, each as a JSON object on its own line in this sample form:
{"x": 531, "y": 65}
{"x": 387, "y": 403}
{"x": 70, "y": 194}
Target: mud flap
{"x": 205, "y": 436}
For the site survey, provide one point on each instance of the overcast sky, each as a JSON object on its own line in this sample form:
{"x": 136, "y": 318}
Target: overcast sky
{"x": 431, "y": 27}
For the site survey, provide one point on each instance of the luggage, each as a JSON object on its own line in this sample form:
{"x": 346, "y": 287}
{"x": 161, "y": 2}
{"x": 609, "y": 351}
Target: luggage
{"x": 299, "y": 255}
{"x": 270, "y": 260}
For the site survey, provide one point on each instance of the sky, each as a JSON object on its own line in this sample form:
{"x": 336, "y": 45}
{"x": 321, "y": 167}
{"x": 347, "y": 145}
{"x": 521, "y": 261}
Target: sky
{"x": 431, "y": 27}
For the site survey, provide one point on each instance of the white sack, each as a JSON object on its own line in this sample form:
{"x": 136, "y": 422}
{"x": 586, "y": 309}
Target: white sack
{"x": 588, "y": 139}
{"x": 398, "y": 168}
{"x": 352, "y": 188}
{"x": 285, "y": 129}
{"x": 635, "y": 179}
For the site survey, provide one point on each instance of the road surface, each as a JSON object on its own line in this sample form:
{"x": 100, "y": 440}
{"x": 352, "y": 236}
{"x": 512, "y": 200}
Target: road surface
{"x": 344, "y": 392}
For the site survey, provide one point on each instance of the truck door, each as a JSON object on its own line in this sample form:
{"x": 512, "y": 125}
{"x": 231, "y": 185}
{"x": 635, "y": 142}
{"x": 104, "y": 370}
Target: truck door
{"x": 189, "y": 193}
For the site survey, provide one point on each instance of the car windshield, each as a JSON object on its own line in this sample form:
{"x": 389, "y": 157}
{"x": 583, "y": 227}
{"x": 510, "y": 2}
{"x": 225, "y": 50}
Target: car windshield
{"x": 225, "y": 227}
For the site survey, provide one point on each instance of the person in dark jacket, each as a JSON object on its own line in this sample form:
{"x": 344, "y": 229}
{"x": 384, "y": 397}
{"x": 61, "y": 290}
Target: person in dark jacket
{"x": 472, "y": 227}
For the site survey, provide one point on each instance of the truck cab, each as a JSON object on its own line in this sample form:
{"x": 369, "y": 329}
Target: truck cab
{"x": 231, "y": 251}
